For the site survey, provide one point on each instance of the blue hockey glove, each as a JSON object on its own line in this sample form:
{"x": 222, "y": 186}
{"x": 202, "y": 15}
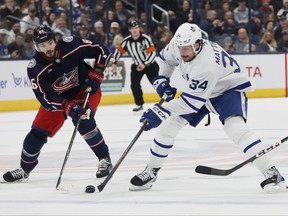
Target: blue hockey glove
{"x": 154, "y": 116}
{"x": 75, "y": 111}
{"x": 162, "y": 86}
{"x": 94, "y": 80}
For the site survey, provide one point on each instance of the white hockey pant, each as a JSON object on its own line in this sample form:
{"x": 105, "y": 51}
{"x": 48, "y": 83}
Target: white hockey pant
{"x": 236, "y": 128}
{"x": 164, "y": 140}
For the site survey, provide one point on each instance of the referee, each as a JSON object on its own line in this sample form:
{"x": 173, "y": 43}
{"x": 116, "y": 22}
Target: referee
{"x": 143, "y": 53}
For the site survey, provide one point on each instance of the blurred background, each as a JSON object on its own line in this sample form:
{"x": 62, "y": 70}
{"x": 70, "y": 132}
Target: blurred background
{"x": 240, "y": 26}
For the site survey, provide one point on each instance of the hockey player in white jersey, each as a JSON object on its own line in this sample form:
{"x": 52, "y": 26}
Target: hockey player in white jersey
{"x": 215, "y": 83}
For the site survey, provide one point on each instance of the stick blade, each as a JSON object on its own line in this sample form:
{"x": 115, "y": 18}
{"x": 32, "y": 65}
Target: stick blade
{"x": 210, "y": 171}
{"x": 100, "y": 187}
{"x": 203, "y": 170}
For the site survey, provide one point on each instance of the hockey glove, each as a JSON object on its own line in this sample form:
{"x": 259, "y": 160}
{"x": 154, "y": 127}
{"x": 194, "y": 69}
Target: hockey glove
{"x": 154, "y": 116}
{"x": 76, "y": 111}
{"x": 162, "y": 87}
{"x": 94, "y": 79}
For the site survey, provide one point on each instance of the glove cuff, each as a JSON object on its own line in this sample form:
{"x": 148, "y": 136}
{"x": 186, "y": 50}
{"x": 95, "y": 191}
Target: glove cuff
{"x": 96, "y": 75}
{"x": 160, "y": 81}
{"x": 161, "y": 112}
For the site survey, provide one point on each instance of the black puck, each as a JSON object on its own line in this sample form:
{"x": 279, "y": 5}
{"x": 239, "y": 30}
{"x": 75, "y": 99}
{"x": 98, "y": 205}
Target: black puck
{"x": 90, "y": 189}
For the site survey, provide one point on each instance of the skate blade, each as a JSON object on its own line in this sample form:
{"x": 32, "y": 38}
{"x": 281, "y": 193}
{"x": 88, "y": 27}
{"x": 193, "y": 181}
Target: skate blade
{"x": 272, "y": 188}
{"x": 140, "y": 188}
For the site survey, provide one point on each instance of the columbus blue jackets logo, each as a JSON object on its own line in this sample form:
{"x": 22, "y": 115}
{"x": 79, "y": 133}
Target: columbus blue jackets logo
{"x": 66, "y": 82}
{"x": 32, "y": 63}
{"x": 67, "y": 38}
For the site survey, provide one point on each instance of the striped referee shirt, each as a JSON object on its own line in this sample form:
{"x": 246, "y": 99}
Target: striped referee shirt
{"x": 141, "y": 50}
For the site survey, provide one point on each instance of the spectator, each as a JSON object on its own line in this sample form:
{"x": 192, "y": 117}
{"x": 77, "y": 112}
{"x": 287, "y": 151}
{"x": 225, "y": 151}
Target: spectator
{"x": 185, "y": 14}
{"x": 225, "y": 6}
{"x": 266, "y": 8}
{"x": 116, "y": 41}
{"x": 14, "y": 30}
{"x": 29, "y": 31}
{"x": 25, "y": 6}
{"x": 3, "y": 47}
{"x": 229, "y": 26}
{"x": 229, "y": 45}
{"x": 283, "y": 42}
{"x": 157, "y": 35}
{"x": 99, "y": 11}
{"x": 30, "y": 20}
{"x": 83, "y": 32}
{"x": 269, "y": 25}
{"x": 172, "y": 8}
{"x": 242, "y": 44}
{"x": 114, "y": 30}
{"x": 165, "y": 39}
{"x": 143, "y": 28}
{"x": 256, "y": 24}
{"x": 282, "y": 24}
{"x": 28, "y": 50}
{"x": 50, "y": 20}
{"x": 267, "y": 43}
{"x": 212, "y": 25}
{"x": 61, "y": 27}
{"x": 205, "y": 6}
{"x": 99, "y": 32}
{"x": 10, "y": 8}
{"x": 15, "y": 49}
{"x": 241, "y": 13}
{"x": 121, "y": 15}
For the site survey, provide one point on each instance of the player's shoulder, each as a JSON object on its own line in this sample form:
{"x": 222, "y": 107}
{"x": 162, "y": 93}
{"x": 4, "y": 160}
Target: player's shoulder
{"x": 37, "y": 64}
{"x": 69, "y": 40}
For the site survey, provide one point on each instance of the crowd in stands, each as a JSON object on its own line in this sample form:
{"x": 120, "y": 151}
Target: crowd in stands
{"x": 223, "y": 21}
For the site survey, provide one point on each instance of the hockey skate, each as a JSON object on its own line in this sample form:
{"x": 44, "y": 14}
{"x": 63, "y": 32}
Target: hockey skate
{"x": 17, "y": 175}
{"x": 138, "y": 108}
{"x": 104, "y": 167}
{"x": 274, "y": 182}
{"x": 144, "y": 180}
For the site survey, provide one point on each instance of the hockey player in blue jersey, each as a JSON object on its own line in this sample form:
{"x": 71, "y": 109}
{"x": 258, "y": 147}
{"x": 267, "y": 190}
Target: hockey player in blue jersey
{"x": 215, "y": 83}
{"x": 60, "y": 77}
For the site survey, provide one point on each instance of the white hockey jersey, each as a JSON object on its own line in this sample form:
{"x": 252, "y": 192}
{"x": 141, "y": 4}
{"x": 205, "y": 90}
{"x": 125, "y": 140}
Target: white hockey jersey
{"x": 211, "y": 73}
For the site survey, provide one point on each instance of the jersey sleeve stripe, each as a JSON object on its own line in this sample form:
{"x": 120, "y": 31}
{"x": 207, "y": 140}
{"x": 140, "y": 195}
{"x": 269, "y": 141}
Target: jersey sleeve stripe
{"x": 241, "y": 86}
{"x": 189, "y": 104}
{"x": 193, "y": 97}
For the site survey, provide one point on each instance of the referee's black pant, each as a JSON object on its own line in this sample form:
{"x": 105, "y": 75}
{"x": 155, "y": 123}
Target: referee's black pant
{"x": 151, "y": 71}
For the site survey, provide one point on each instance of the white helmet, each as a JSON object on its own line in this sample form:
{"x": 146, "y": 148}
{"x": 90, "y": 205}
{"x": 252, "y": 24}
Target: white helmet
{"x": 187, "y": 34}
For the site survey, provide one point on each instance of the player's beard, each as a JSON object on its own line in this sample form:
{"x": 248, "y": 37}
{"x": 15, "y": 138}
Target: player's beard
{"x": 50, "y": 53}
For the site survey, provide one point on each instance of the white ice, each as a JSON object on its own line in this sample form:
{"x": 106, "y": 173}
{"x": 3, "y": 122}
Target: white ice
{"x": 178, "y": 190}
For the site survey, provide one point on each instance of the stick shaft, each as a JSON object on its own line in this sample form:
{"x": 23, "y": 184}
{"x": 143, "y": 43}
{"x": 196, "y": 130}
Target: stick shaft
{"x": 70, "y": 144}
{"x": 224, "y": 172}
{"x": 120, "y": 160}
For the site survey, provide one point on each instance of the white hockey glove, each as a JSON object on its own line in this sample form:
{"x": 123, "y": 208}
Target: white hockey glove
{"x": 162, "y": 86}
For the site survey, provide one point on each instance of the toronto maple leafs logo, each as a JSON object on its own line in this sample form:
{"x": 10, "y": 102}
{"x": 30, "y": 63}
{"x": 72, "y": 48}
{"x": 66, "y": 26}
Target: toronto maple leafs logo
{"x": 67, "y": 81}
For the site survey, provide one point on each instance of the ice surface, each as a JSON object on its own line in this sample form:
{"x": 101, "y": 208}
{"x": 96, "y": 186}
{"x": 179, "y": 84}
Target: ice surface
{"x": 178, "y": 190}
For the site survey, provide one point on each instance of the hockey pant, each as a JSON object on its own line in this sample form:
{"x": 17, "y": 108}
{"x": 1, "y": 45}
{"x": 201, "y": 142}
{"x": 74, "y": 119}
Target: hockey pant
{"x": 47, "y": 124}
{"x": 235, "y": 127}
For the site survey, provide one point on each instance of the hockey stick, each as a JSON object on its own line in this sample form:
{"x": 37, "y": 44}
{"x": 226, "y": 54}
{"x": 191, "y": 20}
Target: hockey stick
{"x": 120, "y": 160}
{"x": 20, "y": 20}
{"x": 220, "y": 172}
{"x": 71, "y": 141}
